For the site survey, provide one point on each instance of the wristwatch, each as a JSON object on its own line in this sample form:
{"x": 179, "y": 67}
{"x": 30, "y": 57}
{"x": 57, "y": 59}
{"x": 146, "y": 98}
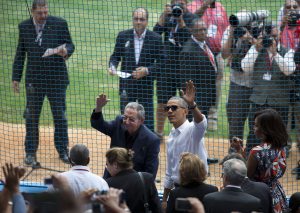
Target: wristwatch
{"x": 193, "y": 106}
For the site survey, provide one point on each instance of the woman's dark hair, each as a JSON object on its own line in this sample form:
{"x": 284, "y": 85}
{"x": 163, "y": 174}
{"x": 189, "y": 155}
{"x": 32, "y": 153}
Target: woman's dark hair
{"x": 121, "y": 156}
{"x": 272, "y": 127}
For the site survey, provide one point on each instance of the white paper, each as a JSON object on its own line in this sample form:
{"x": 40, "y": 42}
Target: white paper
{"x": 212, "y": 30}
{"x": 52, "y": 51}
{"x": 123, "y": 74}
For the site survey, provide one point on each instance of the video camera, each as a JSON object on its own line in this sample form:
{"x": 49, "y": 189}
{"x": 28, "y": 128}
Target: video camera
{"x": 248, "y": 19}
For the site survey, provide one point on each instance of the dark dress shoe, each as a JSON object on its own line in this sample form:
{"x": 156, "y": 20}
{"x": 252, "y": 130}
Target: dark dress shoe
{"x": 30, "y": 159}
{"x": 212, "y": 160}
{"x": 64, "y": 158}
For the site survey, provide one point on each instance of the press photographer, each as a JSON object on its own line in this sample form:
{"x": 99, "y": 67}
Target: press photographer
{"x": 236, "y": 41}
{"x": 270, "y": 65}
{"x": 289, "y": 37}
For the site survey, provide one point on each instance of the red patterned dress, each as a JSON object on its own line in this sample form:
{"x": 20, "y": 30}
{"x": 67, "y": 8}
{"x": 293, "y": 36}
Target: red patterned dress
{"x": 271, "y": 166}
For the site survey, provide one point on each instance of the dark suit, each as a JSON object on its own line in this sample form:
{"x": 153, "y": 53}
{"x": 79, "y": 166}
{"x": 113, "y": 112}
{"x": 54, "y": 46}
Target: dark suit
{"x": 146, "y": 144}
{"x": 195, "y": 65}
{"x": 261, "y": 191}
{"x": 151, "y": 56}
{"x": 46, "y": 76}
{"x": 130, "y": 182}
{"x": 198, "y": 190}
{"x": 231, "y": 199}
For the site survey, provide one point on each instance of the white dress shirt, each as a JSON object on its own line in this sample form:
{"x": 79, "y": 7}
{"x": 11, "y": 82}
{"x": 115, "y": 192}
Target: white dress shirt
{"x": 80, "y": 179}
{"x": 286, "y": 64}
{"x": 138, "y": 45}
{"x": 189, "y": 137}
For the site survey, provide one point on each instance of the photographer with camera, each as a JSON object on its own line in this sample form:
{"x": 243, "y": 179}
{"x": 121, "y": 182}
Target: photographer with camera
{"x": 236, "y": 41}
{"x": 173, "y": 24}
{"x": 289, "y": 39}
{"x": 271, "y": 65}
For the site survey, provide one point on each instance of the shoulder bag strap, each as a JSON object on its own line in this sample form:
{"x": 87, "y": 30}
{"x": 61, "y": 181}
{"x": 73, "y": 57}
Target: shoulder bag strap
{"x": 146, "y": 204}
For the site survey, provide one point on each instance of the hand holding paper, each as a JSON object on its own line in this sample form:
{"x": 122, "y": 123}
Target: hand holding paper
{"x": 60, "y": 50}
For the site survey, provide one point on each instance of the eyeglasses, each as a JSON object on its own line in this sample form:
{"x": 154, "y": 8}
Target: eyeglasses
{"x": 172, "y": 107}
{"x": 288, "y": 7}
{"x": 130, "y": 119}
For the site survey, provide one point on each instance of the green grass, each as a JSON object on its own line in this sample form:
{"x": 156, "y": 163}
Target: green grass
{"x": 94, "y": 25}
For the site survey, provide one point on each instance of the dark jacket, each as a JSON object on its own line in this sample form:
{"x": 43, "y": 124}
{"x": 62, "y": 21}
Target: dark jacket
{"x": 151, "y": 56}
{"x": 130, "y": 182}
{"x": 261, "y": 191}
{"x": 146, "y": 145}
{"x": 231, "y": 199}
{"x": 198, "y": 190}
{"x": 49, "y": 71}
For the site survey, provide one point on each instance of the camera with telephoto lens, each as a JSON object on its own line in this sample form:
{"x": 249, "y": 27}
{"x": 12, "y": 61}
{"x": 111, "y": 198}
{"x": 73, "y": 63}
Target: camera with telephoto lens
{"x": 241, "y": 19}
{"x": 294, "y": 17}
{"x": 177, "y": 10}
{"x": 247, "y": 19}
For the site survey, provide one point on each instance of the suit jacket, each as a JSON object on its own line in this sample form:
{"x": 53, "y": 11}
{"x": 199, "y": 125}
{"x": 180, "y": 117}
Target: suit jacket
{"x": 130, "y": 182}
{"x": 195, "y": 65}
{"x": 231, "y": 199}
{"x": 261, "y": 191}
{"x": 48, "y": 71}
{"x": 198, "y": 190}
{"x": 146, "y": 145}
{"x": 151, "y": 56}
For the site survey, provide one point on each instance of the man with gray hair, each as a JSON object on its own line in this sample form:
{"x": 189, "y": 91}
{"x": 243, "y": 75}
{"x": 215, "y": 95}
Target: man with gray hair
{"x": 128, "y": 131}
{"x": 232, "y": 197}
{"x": 80, "y": 177}
{"x": 257, "y": 189}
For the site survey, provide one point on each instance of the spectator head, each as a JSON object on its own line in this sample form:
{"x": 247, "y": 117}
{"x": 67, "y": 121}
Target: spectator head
{"x": 269, "y": 126}
{"x": 177, "y": 110}
{"x": 39, "y": 11}
{"x": 294, "y": 203}
{"x": 199, "y": 29}
{"x": 134, "y": 116}
{"x": 234, "y": 172}
{"x": 191, "y": 169}
{"x": 118, "y": 159}
{"x": 140, "y": 20}
{"x": 79, "y": 155}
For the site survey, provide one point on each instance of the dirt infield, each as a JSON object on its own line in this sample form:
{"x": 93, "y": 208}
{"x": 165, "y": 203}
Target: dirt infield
{"x": 12, "y": 150}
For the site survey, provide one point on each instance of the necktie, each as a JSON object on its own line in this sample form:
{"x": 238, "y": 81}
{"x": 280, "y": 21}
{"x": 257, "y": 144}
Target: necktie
{"x": 210, "y": 56}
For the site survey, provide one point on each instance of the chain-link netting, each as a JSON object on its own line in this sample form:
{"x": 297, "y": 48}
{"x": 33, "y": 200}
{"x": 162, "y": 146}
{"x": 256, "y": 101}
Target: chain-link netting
{"x": 57, "y": 68}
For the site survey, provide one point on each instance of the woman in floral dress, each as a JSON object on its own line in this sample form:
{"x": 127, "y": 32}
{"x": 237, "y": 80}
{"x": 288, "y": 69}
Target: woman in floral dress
{"x": 267, "y": 162}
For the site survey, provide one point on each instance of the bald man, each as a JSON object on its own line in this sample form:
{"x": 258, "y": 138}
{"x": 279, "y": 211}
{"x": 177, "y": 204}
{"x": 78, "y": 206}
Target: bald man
{"x": 140, "y": 51}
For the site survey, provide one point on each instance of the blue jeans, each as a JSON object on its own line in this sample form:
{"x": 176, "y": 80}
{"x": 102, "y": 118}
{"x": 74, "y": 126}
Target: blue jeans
{"x": 34, "y": 101}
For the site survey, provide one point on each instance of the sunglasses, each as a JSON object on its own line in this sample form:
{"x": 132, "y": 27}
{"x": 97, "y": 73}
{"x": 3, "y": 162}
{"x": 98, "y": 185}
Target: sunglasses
{"x": 172, "y": 107}
{"x": 288, "y": 7}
